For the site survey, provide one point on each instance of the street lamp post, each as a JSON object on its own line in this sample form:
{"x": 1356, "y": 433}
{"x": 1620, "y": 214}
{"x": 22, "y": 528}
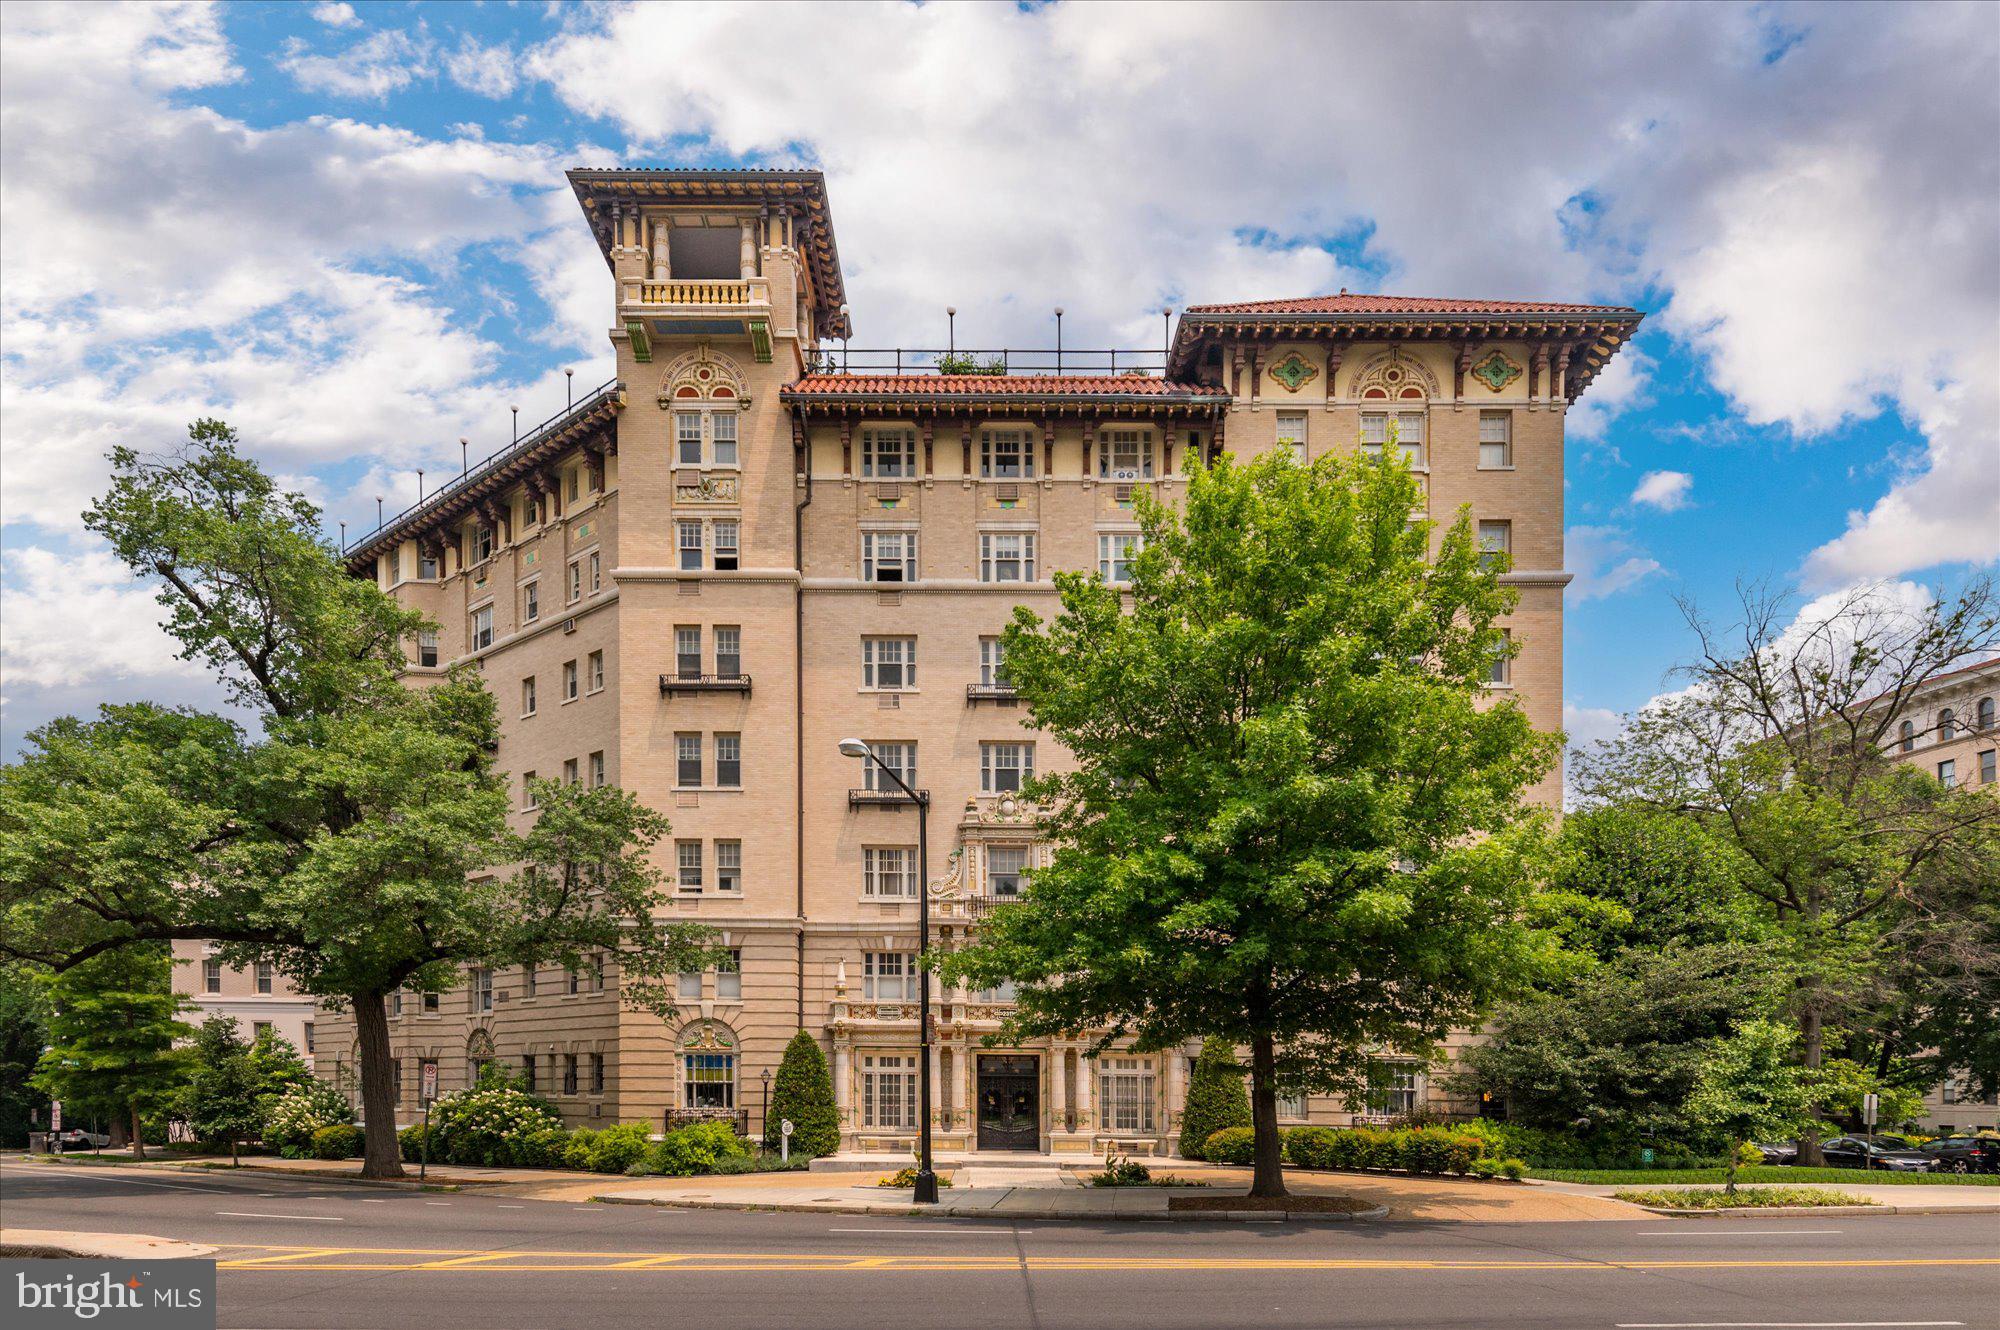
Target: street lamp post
{"x": 764, "y": 1118}
{"x": 926, "y": 1190}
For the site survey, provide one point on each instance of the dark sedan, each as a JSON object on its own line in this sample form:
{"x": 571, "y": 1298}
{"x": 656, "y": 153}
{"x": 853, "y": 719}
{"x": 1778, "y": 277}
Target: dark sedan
{"x": 1965, "y": 1154}
{"x": 1876, "y": 1152}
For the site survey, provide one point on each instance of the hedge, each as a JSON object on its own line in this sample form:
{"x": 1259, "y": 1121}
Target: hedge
{"x": 1430, "y": 1150}
{"x": 299, "y": 1113}
{"x": 1231, "y": 1145}
{"x": 803, "y": 1093}
{"x": 340, "y": 1141}
{"x": 699, "y": 1148}
{"x": 1215, "y": 1098}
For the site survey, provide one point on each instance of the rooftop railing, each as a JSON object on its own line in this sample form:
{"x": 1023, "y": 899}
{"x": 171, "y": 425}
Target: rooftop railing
{"x": 986, "y": 360}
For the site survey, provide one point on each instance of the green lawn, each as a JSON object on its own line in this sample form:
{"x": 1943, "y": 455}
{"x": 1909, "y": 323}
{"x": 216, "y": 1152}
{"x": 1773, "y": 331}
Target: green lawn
{"x": 1703, "y": 1198}
{"x": 1619, "y": 1177}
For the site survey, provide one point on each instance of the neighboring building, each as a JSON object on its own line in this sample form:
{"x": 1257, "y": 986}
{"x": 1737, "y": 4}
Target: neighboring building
{"x": 256, "y": 996}
{"x": 1951, "y": 730}
{"x": 705, "y": 574}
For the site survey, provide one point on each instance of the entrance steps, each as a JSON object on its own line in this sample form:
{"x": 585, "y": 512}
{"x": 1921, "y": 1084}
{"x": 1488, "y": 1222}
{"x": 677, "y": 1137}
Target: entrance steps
{"x": 888, "y": 1162}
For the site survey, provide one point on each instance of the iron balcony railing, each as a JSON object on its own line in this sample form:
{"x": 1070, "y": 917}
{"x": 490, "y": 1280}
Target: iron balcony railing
{"x": 881, "y": 798}
{"x": 1000, "y": 360}
{"x": 704, "y": 683}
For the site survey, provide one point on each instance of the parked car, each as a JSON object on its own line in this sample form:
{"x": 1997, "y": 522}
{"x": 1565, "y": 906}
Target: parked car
{"x": 1965, "y": 1154}
{"x": 76, "y": 1138}
{"x": 1875, "y": 1152}
{"x": 1778, "y": 1152}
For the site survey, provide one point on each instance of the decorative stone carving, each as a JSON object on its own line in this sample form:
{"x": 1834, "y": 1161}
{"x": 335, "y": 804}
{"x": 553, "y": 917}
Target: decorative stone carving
{"x": 707, "y": 1036}
{"x": 1293, "y": 373}
{"x": 1496, "y": 371}
{"x": 1390, "y": 376}
{"x": 701, "y": 376}
{"x": 708, "y": 489}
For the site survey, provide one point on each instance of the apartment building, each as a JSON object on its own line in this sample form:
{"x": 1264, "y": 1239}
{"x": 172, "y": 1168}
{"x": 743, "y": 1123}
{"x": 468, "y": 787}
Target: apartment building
{"x": 756, "y": 541}
{"x": 256, "y": 997}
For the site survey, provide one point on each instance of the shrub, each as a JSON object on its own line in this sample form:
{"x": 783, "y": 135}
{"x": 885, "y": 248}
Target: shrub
{"x": 613, "y": 1149}
{"x": 298, "y": 1113}
{"x": 496, "y": 1128}
{"x": 1231, "y": 1145}
{"x": 340, "y": 1141}
{"x": 1714, "y": 1198}
{"x": 1216, "y": 1099}
{"x": 1483, "y": 1167}
{"x": 803, "y": 1092}
{"x": 412, "y": 1140}
{"x": 1121, "y": 1172}
{"x": 1311, "y": 1147}
{"x": 1551, "y": 1149}
{"x": 697, "y": 1149}
{"x": 907, "y": 1177}
{"x": 1513, "y": 1169}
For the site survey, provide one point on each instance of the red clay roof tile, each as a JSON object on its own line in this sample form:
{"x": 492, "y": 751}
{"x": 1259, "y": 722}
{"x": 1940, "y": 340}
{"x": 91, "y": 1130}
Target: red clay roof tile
{"x": 1345, "y": 303}
{"x": 997, "y": 385}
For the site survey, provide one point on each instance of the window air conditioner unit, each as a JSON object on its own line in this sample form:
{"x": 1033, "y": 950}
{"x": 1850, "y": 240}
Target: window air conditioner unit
{"x": 569, "y": 625}
{"x": 1125, "y": 473}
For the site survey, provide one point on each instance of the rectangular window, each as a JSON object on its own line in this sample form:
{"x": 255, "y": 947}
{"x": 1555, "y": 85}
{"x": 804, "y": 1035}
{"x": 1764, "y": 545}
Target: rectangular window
{"x": 687, "y": 651}
{"x": 888, "y": 1091}
{"x": 729, "y": 977}
{"x": 482, "y": 990}
{"x": 482, "y": 628}
{"x": 711, "y": 1080}
{"x": 531, "y": 602}
{"x": 687, "y": 756}
{"x": 597, "y": 973}
{"x": 570, "y": 686}
{"x": 1004, "y": 991}
{"x": 528, "y": 1072}
{"x": 1501, "y": 672}
{"x": 529, "y": 800}
{"x": 723, "y": 426}
{"x": 687, "y": 534}
{"x": 888, "y": 556}
{"x": 1006, "y": 454}
{"x": 1496, "y": 440}
{"x": 1986, "y": 766}
{"x": 1394, "y": 1091}
{"x": 689, "y": 986}
{"x": 482, "y": 544}
{"x": 265, "y": 982}
{"x": 528, "y": 981}
{"x": 725, "y": 546}
{"x": 728, "y": 652}
{"x": 396, "y": 1080}
{"x": 431, "y": 1003}
{"x": 1127, "y": 1094}
{"x": 889, "y": 662}
{"x": 899, "y": 758}
{"x": 1126, "y": 454}
{"x": 687, "y": 437}
{"x": 889, "y": 874}
{"x": 729, "y": 761}
{"x": 575, "y": 581}
{"x": 573, "y": 484}
{"x": 687, "y": 859}
{"x": 306, "y": 1037}
{"x": 260, "y": 1030}
{"x": 569, "y": 1073}
{"x": 597, "y": 1073}
{"x": 1291, "y": 1107}
{"x": 596, "y": 565}
{"x": 427, "y": 567}
{"x": 1115, "y": 550}
{"x": 1005, "y": 767}
{"x": 528, "y": 696}
{"x": 1006, "y": 556}
{"x": 993, "y": 664}
{"x": 211, "y": 976}
{"x": 596, "y": 659}
{"x": 395, "y": 1004}
{"x": 427, "y": 647}
{"x": 1406, "y": 426}
{"x": 570, "y": 772}
{"x": 596, "y": 770}
{"x": 888, "y": 454}
{"x": 729, "y": 867}
{"x": 1948, "y": 773}
{"x": 1496, "y": 543}
{"x": 1292, "y": 435}
{"x": 1004, "y": 866}
{"x": 889, "y": 976}
{"x": 1374, "y": 432}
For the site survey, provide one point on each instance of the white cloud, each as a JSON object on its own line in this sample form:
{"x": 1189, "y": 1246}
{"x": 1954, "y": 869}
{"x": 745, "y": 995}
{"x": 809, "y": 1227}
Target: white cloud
{"x": 490, "y": 71}
{"x": 1665, "y": 490}
{"x": 80, "y": 620}
{"x": 1604, "y": 561}
{"x": 1584, "y": 726}
{"x": 370, "y": 69}
{"x": 339, "y": 14}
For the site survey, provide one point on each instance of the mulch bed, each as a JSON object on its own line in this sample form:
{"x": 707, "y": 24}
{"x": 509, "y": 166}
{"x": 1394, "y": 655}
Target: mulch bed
{"x": 1306, "y": 1204}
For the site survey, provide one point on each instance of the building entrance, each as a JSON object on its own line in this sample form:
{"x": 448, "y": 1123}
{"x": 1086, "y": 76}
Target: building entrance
{"x": 1010, "y": 1102}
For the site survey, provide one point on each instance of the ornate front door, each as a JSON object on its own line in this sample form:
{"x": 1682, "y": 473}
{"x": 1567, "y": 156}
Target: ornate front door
{"x": 1010, "y": 1102}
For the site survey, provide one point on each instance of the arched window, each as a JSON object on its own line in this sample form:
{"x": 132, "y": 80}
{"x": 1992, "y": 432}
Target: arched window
{"x": 478, "y": 1054}
{"x": 703, "y": 392}
{"x": 1908, "y": 735}
{"x": 708, "y": 1067}
{"x": 1984, "y": 714}
{"x": 1947, "y": 728}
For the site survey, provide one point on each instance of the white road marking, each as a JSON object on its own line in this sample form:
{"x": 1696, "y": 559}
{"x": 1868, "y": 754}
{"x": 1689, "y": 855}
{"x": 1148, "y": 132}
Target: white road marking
{"x": 1765, "y": 1325}
{"x": 932, "y": 1232}
{"x": 513, "y": 1207}
{"x": 129, "y": 1182}
{"x": 1730, "y": 1233}
{"x": 437, "y": 1202}
{"x": 255, "y": 1214}
{"x": 370, "y": 1200}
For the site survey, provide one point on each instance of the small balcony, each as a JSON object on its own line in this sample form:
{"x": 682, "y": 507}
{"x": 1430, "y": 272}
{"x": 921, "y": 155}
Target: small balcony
{"x": 695, "y": 293}
{"x": 704, "y": 683}
{"x": 1001, "y": 694}
{"x": 881, "y": 798}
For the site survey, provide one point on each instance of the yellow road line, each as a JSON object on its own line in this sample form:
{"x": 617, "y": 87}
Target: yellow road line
{"x": 814, "y": 1263}
{"x": 464, "y": 1260}
{"x": 294, "y": 1256}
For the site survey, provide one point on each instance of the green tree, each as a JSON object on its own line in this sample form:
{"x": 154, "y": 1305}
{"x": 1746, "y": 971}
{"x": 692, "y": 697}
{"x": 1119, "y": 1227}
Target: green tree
{"x": 113, "y": 1023}
{"x": 1215, "y": 1097}
{"x": 1751, "y": 1086}
{"x": 276, "y": 1064}
{"x": 226, "y": 1097}
{"x": 1296, "y": 819}
{"x": 359, "y": 842}
{"x": 23, "y": 1036}
{"x": 803, "y": 1092}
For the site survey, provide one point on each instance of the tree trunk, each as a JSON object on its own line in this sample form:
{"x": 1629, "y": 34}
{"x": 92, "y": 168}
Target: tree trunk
{"x": 382, "y": 1156}
{"x": 1268, "y": 1153}
{"x": 1812, "y": 1050}
{"x": 138, "y": 1134}
{"x": 115, "y": 1129}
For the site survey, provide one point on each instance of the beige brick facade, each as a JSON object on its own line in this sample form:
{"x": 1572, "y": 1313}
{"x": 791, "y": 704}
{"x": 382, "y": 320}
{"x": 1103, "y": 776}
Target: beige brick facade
{"x": 727, "y": 485}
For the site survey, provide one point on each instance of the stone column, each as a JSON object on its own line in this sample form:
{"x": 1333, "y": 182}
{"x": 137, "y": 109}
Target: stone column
{"x": 1171, "y": 1110}
{"x": 747, "y": 251}
{"x": 663, "y": 264}
{"x": 1086, "y": 1075}
{"x": 971, "y": 1089}
{"x": 937, "y": 1075}
{"x": 841, "y": 1094}
{"x": 1058, "y": 1088}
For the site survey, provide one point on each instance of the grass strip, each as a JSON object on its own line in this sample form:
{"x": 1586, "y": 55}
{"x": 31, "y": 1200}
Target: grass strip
{"x": 1616, "y": 1177}
{"x": 1702, "y": 1198}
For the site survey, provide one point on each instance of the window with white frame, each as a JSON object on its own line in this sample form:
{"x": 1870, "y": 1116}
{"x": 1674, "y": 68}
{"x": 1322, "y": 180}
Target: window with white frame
{"x": 888, "y": 556}
{"x": 729, "y": 761}
{"x": 729, "y": 977}
{"x": 1004, "y": 991}
{"x": 687, "y": 862}
{"x": 687, "y": 438}
{"x": 889, "y": 976}
{"x": 1496, "y": 440}
{"x": 1496, "y": 542}
{"x": 729, "y": 867}
{"x": 1115, "y": 552}
{"x": 482, "y": 990}
{"x": 596, "y": 770}
{"x": 1126, "y": 1094}
{"x": 570, "y": 685}
{"x": 575, "y": 580}
{"x": 889, "y": 663}
{"x": 1006, "y": 454}
{"x": 687, "y": 535}
{"x": 570, "y": 770}
{"x": 900, "y": 758}
{"x": 722, "y": 426}
{"x": 266, "y": 977}
{"x": 729, "y": 651}
{"x": 530, "y": 801}
{"x": 1947, "y": 726}
{"x": 427, "y": 647}
{"x": 1004, "y": 866}
{"x": 687, "y": 759}
{"x": 888, "y": 453}
{"x": 1406, "y": 426}
{"x": 1948, "y": 773}
{"x": 482, "y": 628}
{"x": 889, "y": 872}
{"x": 1004, "y": 767}
{"x": 1126, "y": 454}
{"x": 993, "y": 664}
{"x": 1906, "y": 735}
{"x": 528, "y": 696}
{"x": 1989, "y": 763}
{"x": 726, "y": 559}
{"x": 1006, "y": 556}
{"x": 1500, "y": 673}
{"x": 688, "y": 985}
{"x": 888, "y": 1091}
{"x": 1393, "y": 1089}
{"x": 596, "y": 670}
{"x": 531, "y": 602}
{"x": 687, "y": 651}
{"x": 211, "y": 976}
{"x": 1292, "y": 435}
{"x": 482, "y": 544}
{"x": 594, "y": 562}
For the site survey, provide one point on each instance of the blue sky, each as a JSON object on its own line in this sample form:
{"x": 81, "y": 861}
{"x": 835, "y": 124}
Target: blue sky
{"x": 344, "y": 228}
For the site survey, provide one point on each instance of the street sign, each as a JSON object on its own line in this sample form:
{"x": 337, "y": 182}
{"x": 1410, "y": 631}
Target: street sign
{"x": 785, "y": 1140}
{"x": 430, "y": 1082}
{"x": 1871, "y": 1104}
{"x": 785, "y": 1126}
{"x": 55, "y": 1115}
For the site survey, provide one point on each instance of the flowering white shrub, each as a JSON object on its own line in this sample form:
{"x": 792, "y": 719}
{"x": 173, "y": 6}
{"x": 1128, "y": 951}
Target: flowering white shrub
{"x": 299, "y": 1112}
{"x": 495, "y": 1127}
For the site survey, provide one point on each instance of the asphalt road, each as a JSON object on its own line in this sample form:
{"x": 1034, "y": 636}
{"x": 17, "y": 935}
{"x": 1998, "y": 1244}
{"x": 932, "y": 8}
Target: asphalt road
{"x": 309, "y": 1254}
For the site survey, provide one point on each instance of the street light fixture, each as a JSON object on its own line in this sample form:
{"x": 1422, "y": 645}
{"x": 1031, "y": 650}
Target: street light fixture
{"x": 926, "y": 1190}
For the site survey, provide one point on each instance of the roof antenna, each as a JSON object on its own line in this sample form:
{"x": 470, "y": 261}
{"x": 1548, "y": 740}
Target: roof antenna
{"x": 1167, "y": 339}
{"x": 951, "y": 330}
{"x": 1058, "y": 339}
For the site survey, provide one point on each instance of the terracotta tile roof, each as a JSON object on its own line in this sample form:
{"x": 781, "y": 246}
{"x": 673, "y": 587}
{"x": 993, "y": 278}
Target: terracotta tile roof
{"x": 1345, "y": 303}
{"x": 996, "y": 385}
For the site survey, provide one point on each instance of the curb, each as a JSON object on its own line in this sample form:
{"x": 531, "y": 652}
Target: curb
{"x": 308, "y": 1175}
{"x": 1820, "y": 1211}
{"x": 62, "y": 1243}
{"x": 1080, "y": 1216}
